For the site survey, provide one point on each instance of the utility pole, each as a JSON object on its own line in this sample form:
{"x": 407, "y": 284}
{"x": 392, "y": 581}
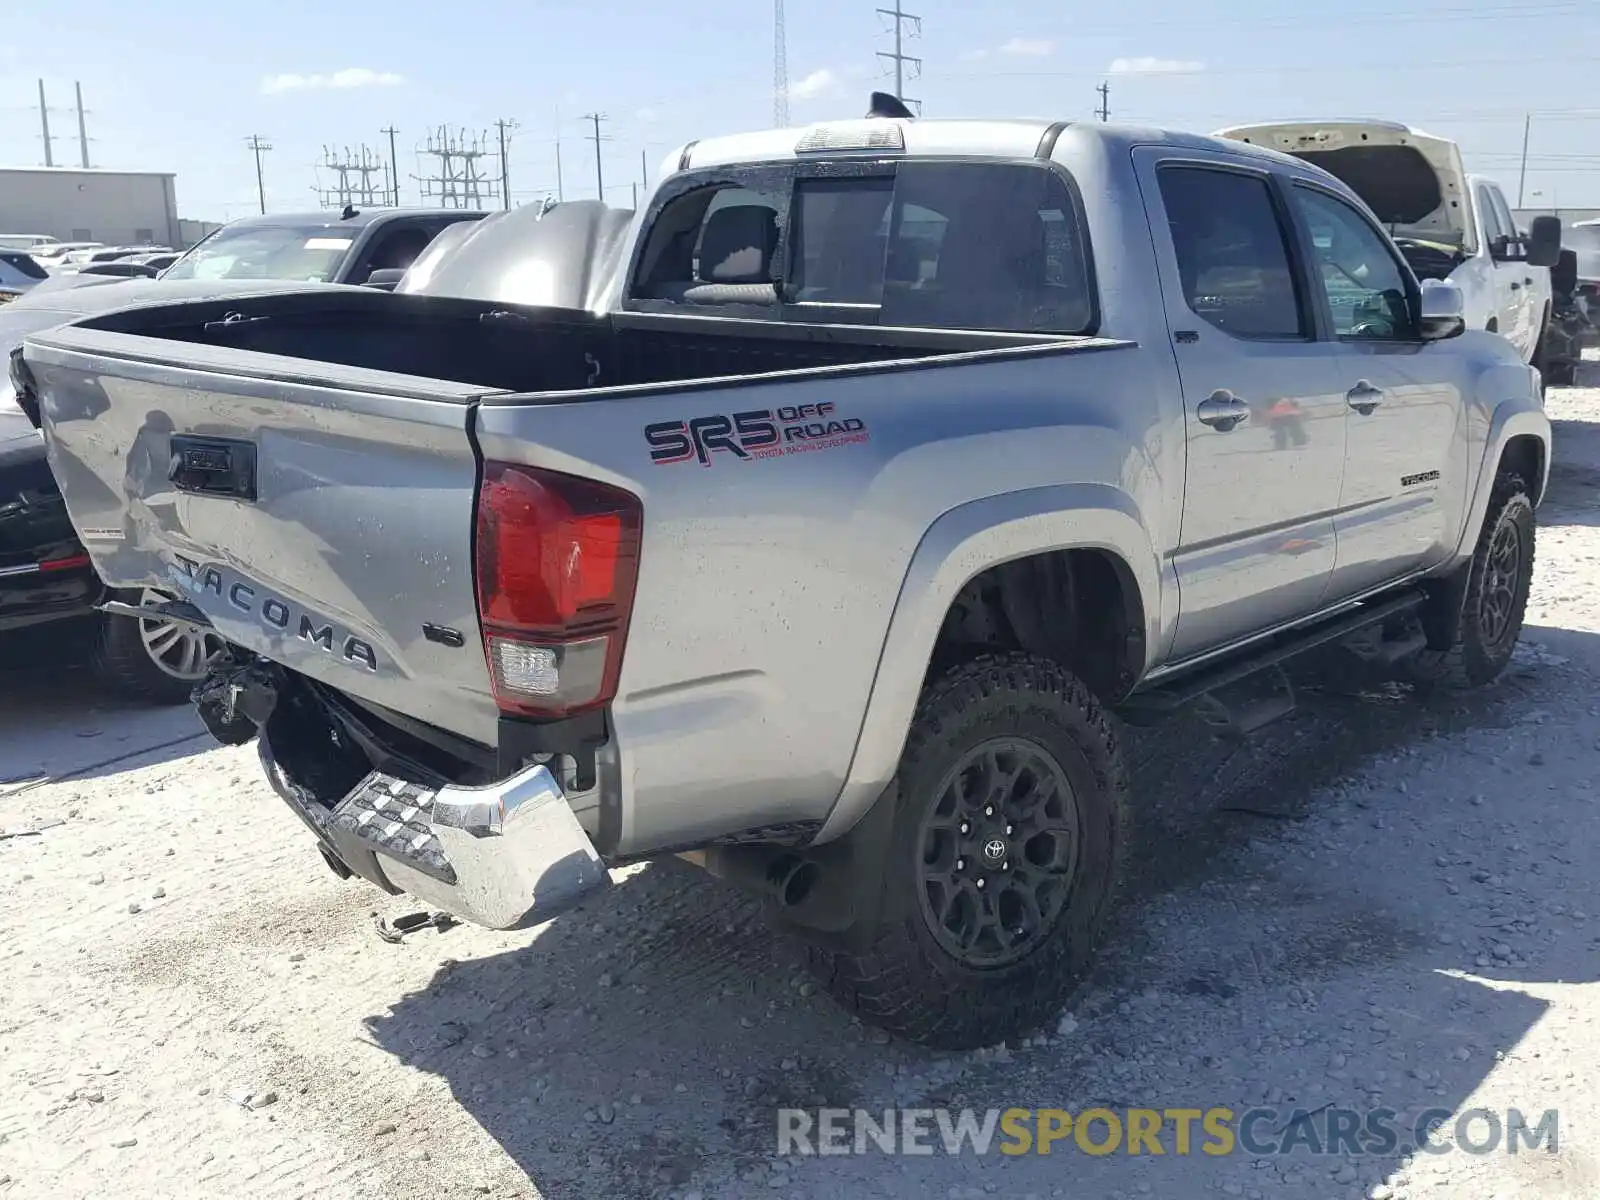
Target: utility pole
{"x": 505, "y": 127}
{"x": 780, "y": 68}
{"x": 259, "y": 145}
{"x": 1522, "y": 181}
{"x": 644, "y": 169}
{"x": 394, "y": 167}
{"x": 44, "y": 125}
{"x": 1104, "y": 111}
{"x": 83, "y": 133}
{"x": 599, "y": 172}
{"x": 898, "y": 57}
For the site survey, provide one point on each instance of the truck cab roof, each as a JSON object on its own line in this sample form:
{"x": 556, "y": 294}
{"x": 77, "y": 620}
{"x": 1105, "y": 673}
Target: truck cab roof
{"x": 965, "y": 138}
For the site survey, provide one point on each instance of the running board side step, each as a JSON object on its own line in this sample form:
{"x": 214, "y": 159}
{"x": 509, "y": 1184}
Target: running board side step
{"x": 1229, "y": 693}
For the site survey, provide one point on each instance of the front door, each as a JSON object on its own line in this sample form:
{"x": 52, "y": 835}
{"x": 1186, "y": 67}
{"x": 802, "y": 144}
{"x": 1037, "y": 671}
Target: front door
{"x": 1264, "y": 419}
{"x": 1405, "y": 466}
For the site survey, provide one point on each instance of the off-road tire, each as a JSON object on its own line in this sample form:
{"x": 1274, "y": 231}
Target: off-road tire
{"x": 907, "y": 982}
{"x": 122, "y": 661}
{"x": 1475, "y": 659}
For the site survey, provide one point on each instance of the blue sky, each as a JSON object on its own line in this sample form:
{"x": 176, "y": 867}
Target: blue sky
{"x": 177, "y": 85}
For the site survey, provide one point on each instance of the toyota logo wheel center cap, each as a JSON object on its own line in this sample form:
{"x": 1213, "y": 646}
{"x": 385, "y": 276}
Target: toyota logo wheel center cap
{"x": 994, "y": 851}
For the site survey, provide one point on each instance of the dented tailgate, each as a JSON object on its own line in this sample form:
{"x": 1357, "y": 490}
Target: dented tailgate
{"x": 323, "y": 520}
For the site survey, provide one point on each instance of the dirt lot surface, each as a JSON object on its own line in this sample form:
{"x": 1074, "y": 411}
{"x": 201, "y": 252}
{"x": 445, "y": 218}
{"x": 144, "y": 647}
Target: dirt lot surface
{"x": 1381, "y": 902}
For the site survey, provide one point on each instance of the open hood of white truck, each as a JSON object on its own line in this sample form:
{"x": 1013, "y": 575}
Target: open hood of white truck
{"x": 1413, "y": 182}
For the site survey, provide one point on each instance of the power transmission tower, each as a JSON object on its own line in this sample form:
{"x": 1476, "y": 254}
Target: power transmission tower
{"x": 780, "y": 67}
{"x": 358, "y": 173}
{"x": 898, "y": 57}
{"x": 259, "y": 145}
{"x": 83, "y": 132}
{"x": 597, "y": 137}
{"x": 505, "y": 127}
{"x": 459, "y": 181}
{"x": 394, "y": 167}
{"x": 1104, "y": 111}
{"x": 44, "y": 125}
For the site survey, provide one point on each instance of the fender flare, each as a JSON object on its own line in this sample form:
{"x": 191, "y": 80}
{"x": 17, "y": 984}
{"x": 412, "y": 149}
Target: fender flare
{"x": 962, "y": 543}
{"x": 1511, "y": 419}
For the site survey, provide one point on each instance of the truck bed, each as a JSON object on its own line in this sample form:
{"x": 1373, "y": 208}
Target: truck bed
{"x": 500, "y": 348}
{"x": 304, "y": 467}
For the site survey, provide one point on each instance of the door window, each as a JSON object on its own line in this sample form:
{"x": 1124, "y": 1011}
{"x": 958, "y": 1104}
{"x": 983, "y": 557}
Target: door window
{"x": 1489, "y": 218}
{"x": 946, "y": 245}
{"x": 1367, "y": 291}
{"x": 1232, "y": 252}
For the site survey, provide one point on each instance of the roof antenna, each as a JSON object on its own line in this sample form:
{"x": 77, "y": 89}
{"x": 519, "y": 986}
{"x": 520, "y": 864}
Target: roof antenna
{"x": 349, "y": 211}
{"x": 885, "y": 105}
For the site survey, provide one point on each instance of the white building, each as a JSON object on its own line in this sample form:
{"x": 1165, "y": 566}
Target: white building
{"x": 76, "y": 205}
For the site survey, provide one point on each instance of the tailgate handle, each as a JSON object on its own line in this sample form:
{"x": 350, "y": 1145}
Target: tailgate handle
{"x": 206, "y": 466}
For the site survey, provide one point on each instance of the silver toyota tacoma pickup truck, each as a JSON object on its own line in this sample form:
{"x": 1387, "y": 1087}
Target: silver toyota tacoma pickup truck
{"x": 896, "y": 465}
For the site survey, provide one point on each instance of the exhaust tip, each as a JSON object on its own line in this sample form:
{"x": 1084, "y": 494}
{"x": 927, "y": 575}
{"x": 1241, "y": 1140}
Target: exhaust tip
{"x": 792, "y": 878}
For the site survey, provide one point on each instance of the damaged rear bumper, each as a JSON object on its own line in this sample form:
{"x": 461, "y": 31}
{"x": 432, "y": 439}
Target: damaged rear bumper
{"x": 506, "y": 856}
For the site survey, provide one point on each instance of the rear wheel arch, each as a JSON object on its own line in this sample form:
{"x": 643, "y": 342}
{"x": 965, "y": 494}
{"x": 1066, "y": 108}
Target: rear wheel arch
{"x": 1099, "y": 523}
{"x": 1524, "y": 455}
{"x": 1079, "y": 607}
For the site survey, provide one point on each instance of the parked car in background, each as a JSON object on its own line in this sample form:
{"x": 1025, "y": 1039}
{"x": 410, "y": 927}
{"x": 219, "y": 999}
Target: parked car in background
{"x": 1583, "y": 238}
{"x": 26, "y": 241}
{"x": 1448, "y": 224}
{"x": 19, "y": 271}
{"x": 53, "y": 255}
{"x": 317, "y": 247}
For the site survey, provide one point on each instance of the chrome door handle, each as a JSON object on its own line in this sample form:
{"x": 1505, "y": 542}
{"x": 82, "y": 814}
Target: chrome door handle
{"x": 1222, "y": 410}
{"x": 1364, "y": 397}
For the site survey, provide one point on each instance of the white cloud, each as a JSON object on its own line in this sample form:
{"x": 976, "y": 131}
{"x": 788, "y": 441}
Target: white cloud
{"x": 821, "y": 82}
{"x": 350, "y": 77}
{"x": 1029, "y": 47}
{"x": 1148, "y": 65}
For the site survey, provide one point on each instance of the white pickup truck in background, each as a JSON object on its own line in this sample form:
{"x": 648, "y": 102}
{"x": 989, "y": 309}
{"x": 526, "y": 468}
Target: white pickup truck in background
{"x": 1449, "y": 225}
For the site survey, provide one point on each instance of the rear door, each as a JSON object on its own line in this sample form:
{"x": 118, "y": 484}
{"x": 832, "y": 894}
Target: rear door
{"x": 1264, "y": 416}
{"x": 1404, "y": 467}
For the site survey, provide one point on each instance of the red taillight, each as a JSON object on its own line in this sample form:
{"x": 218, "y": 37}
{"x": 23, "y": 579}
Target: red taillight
{"x": 557, "y": 558}
{"x": 65, "y": 564}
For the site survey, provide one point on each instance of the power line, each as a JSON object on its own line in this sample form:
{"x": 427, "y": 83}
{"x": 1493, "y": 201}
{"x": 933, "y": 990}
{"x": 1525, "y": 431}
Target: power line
{"x": 780, "y": 67}
{"x": 597, "y": 138}
{"x": 1284, "y": 68}
{"x": 259, "y": 145}
{"x": 897, "y": 56}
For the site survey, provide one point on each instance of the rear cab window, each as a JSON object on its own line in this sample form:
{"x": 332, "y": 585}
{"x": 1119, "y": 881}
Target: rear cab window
{"x": 970, "y": 245}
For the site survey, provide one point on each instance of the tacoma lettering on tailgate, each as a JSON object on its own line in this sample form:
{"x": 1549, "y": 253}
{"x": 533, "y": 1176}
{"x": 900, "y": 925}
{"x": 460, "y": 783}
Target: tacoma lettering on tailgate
{"x": 275, "y": 614}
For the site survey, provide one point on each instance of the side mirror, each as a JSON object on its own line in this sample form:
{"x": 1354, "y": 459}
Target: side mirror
{"x": 1442, "y": 312}
{"x": 385, "y": 278}
{"x": 1544, "y": 242}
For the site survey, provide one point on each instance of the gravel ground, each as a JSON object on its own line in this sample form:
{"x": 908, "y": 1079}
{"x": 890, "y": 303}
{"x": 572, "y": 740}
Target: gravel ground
{"x": 1380, "y": 901}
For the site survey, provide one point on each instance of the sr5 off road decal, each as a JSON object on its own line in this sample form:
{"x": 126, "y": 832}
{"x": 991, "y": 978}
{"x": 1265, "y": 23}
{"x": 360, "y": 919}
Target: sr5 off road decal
{"x": 758, "y": 433}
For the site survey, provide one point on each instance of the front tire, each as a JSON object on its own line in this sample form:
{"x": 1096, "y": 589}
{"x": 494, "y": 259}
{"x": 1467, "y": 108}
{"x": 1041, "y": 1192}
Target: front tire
{"x": 1004, "y": 858}
{"x": 1497, "y": 594}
